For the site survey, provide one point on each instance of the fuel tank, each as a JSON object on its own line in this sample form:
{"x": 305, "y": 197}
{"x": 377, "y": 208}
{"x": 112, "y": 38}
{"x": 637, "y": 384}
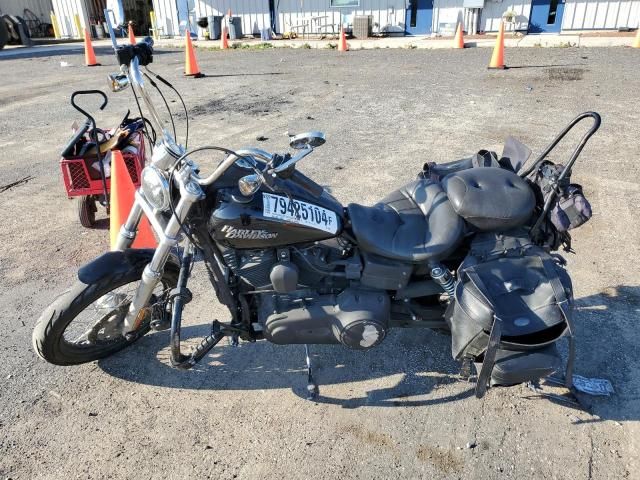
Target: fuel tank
{"x": 268, "y": 220}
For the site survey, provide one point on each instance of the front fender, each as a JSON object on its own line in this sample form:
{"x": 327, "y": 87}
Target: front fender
{"x": 114, "y": 262}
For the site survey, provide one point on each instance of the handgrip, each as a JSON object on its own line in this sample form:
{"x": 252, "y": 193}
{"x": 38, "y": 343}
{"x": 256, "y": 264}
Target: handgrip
{"x": 306, "y": 183}
{"x": 68, "y": 150}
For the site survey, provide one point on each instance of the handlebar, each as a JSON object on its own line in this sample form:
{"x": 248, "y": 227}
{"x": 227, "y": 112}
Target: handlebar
{"x": 137, "y": 83}
{"x": 68, "y": 149}
{"x": 142, "y": 50}
{"x": 105, "y": 100}
{"x": 131, "y": 57}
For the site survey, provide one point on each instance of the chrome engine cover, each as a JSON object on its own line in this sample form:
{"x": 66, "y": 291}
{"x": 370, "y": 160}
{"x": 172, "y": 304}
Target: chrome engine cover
{"x": 356, "y": 318}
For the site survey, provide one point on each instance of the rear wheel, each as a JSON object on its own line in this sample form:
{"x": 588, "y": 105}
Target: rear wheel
{"x": 84, "y": 324}
{"x": 86, "y": 206}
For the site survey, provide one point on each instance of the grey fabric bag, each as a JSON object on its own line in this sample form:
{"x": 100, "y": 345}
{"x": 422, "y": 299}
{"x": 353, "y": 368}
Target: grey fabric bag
{"x": 571, "y": 209}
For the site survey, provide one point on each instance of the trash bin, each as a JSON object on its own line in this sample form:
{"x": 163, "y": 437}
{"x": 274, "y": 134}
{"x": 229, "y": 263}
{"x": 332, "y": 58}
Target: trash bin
{"x": 235, "y": 28}
{"x": 214, "y": 27}
{"x": 99, "y": 30}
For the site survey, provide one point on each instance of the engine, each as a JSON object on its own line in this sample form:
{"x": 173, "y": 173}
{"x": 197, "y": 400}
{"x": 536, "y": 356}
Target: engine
{"x": 311, "y": 295}
{"x": 356, "y": 318}
{"x": 252, "y": 266}
{"x": 320, "y": 266}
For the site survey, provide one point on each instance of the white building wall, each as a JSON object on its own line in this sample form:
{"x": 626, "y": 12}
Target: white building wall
{"x": 255, "y": 13}
{"x": 493, "y": 11}
{"x": 599, "y": 14}
{"x": 65, "y": 11}
{"x": 452, "y": 11}
{"x": 166, "y": 17}
{"x": 446, "y": 11}
{"x": 41, "y": 8}
{"x": 389, "y": 15}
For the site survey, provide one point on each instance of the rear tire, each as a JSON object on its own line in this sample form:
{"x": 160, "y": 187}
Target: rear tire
{"x": 86, "y": 206}
{"x": 48, "y": 337}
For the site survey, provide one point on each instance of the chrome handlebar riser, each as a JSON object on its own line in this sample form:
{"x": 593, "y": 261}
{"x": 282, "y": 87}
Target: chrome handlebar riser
{"x": 165, "y": 153}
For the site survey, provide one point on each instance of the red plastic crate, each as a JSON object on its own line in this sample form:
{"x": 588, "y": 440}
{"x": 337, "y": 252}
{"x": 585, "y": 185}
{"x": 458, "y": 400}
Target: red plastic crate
{"x": 78, "y": 182}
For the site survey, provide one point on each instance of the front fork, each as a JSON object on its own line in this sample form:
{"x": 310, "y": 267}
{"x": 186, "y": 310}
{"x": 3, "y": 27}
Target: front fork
{"x": 168, "y": 234}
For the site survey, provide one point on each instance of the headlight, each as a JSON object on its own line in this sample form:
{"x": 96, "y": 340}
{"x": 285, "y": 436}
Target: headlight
{"x": 155, "y": 188}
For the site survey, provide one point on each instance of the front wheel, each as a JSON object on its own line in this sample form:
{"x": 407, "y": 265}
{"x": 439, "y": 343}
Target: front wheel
{"x": 84, "y": 324}
{"x": 86, "y": 207}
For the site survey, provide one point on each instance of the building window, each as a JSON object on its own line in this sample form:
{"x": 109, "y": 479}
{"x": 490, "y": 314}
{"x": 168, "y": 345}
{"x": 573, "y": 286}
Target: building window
{"x": 344, "y": 3}
{"x": 553, "y": 9}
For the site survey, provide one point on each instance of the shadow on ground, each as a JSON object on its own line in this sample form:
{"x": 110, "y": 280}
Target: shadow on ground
{"x": 422, "y": 358}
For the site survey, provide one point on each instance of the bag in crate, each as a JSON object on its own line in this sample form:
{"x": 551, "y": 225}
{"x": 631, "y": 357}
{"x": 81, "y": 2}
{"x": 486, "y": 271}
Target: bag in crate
{"x": 512, "y": 304}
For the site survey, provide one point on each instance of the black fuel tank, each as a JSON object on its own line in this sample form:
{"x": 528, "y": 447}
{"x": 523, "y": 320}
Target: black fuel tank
{"x": 268, "y": 220}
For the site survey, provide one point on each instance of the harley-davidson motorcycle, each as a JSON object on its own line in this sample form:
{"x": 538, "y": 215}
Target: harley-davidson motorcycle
{"x": 466, "y": 248}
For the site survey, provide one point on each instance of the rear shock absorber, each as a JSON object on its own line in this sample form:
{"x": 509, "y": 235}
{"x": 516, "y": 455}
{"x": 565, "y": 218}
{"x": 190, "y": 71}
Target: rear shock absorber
{"x": 442, "y": 276}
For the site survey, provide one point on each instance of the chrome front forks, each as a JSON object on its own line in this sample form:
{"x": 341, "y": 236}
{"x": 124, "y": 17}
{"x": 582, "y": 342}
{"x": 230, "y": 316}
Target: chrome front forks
{"x": 168, "y": 233}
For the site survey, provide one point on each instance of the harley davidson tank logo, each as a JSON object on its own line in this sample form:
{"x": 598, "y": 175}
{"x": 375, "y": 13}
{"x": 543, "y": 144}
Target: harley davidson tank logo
{"x": 247, "y": 234}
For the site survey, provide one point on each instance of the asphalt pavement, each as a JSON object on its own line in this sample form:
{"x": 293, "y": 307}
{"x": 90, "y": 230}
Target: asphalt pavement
{"x": 397, "y": 411}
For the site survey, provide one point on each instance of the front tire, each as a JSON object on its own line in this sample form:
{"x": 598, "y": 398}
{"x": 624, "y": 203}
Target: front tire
{"x": 51, "y": 337}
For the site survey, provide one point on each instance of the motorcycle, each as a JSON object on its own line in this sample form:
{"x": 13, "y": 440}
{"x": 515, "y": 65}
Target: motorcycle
{"x": 468, "y": 248}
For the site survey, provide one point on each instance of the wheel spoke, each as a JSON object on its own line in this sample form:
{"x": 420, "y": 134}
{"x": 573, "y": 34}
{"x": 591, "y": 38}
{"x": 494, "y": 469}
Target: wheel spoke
{"x": 104, "y": 317}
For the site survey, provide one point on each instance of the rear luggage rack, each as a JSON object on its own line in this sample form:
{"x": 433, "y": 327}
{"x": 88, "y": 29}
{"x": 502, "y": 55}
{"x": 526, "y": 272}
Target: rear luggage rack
{"x": 597, "y": 120}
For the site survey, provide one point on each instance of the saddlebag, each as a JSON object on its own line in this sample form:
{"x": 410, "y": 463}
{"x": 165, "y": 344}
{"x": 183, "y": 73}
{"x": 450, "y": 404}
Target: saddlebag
{"x": 512, "y": 303}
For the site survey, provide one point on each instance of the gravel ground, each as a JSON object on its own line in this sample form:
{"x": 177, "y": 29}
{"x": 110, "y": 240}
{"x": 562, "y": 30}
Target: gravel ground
{"x": 398, "y": 411}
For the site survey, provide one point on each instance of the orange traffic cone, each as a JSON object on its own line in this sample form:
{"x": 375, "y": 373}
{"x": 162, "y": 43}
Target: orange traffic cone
{"x": 121, "y": 200}
{"x": 224, "y": 43}
{"x": 636, "y": 42}
{"x": 89, "y": 54}
{"x": 342, "y": 44}
{"x": 132, "y": 37}
{"x": 497, "y": 59}
{"x": 458, "y": 41}
{"x": 191, "y": 68}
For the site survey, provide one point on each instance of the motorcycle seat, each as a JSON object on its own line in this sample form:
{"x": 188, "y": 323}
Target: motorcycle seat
{"x": 413, "y": 224}
{"x": 490, "y": 198}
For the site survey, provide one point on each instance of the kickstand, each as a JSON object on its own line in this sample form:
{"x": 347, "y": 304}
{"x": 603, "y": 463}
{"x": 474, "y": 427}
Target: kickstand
{"x": 312, "y": 386}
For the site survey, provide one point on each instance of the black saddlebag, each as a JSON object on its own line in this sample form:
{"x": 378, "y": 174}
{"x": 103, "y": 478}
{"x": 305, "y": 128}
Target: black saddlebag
{"x": 512, "y": 303}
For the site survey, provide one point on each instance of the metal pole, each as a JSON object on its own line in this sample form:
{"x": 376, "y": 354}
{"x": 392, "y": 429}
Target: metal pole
{"x": 110, "y": 27}
{"x": 76, "y": 20}
{"x": 54, "y": 23}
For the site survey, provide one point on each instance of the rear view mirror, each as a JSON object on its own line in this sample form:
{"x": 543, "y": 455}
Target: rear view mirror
{"x": 307, "y": 139}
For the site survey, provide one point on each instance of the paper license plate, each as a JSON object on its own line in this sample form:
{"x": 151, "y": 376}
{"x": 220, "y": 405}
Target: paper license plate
{"x": 302, "y": 213}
